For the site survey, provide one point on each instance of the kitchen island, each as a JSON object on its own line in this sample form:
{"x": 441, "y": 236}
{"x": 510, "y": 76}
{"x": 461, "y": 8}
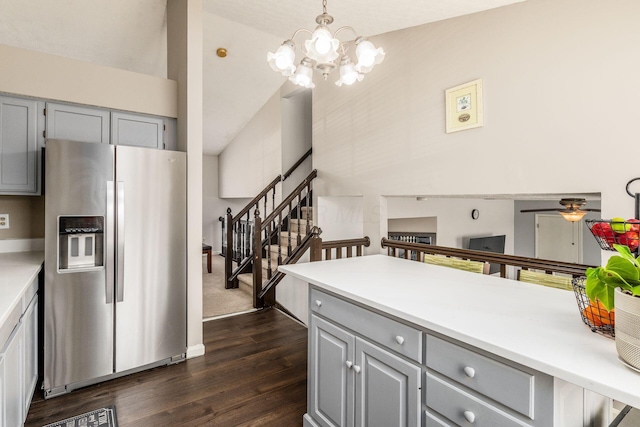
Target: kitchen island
{"x": 19, "y": 284}
{"x": 533, "y": 329}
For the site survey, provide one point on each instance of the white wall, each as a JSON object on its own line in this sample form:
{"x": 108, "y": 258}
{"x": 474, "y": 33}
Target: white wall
{"x": 184, "y": 56}
{"x": 51, "y": 77}
{"x": 211, "y": 210}
{"x": 340, "y": 217}
{"x": 213, "y": 207}
{"x": 296, "y": 136}
{"x": 254, "y": 158}
{"x": 454, "y": 223}
{"x": 555, "y": 74}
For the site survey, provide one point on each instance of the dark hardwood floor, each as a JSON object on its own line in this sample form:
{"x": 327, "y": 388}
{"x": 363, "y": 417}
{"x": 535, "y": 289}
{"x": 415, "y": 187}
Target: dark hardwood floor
{"x": 254, "y": 373}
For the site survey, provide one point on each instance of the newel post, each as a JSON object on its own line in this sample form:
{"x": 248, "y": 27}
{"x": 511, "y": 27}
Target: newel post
{"x": 257, "y": 260}
{"x": 316, "y": 245}
{"x": 228, "y": 258}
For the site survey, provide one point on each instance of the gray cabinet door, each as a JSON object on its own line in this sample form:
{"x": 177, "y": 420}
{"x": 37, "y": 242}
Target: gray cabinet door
{"x": 387, "y": 388}
{"x": 331, "y": 380}
{"x": 137, "y": 130}
{"x": 18, "y": 146}
{"x": 30, "y": 352}
{"x": 13, "y": 380}
{"x": 77, "y": 123}
{"x": 3, "y": 411}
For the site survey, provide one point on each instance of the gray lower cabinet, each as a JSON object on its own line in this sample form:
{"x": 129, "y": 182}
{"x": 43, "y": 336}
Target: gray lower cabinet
{"x": 355, "y": 380}
{"x": 3, "y": 410}
{"x": 465, "y": 386}
{"x": 77, "y": 123}
{"x": 30, "y": 371}
{"x": 19, "y": 359}
{"x": 13, "y": 355}
{"x": 19, "y": 154}
{"x": 370, "y": 369}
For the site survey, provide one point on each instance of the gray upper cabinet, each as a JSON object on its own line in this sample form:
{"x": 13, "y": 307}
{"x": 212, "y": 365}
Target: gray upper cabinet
{"x": 77, "y": 123}
{"x": 18, "y": 146}
{"x": 137, "y": 130}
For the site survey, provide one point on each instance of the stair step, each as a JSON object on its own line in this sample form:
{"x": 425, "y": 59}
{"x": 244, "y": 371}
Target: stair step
{"x": 302, "y": 223}
{"x": 284, "y": 237}
{"x": 306, "y": 212}
{"x": 265, "y": 265}
{"x": 245, "y": 282}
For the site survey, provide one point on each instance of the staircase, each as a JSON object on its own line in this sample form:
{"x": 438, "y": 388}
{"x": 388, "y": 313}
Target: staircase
{"x": 279, "y": 250}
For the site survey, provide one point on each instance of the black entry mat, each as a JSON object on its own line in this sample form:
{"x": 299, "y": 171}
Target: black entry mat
{"x": 103, "y": 417}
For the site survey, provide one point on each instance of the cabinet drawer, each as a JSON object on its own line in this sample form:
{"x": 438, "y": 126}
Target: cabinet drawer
{"x": 463, "y": 408}
{"x": 394, "y": 335}
{"x": 433, "y": 421}
{"x": 505, "y": 384}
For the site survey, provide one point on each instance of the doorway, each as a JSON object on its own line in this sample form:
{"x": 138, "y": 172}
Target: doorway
{"x": 558, "y": 239}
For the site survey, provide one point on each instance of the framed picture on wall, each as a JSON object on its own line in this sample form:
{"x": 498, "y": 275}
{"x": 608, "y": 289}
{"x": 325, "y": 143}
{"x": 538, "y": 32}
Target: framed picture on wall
{"x": 463, "y": 105}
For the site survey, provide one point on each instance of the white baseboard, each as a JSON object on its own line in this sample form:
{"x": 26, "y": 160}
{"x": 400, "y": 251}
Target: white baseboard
{"x": 195, "y": 351}
{"x": 21, "y": 245}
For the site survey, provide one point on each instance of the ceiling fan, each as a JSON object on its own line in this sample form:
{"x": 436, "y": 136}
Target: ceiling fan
{"x": 572, "y": 209}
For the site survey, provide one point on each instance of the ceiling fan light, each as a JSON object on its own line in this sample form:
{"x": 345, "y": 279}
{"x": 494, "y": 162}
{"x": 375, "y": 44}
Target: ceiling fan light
{"x": 282, "y": 60}
{"x": 573, "y": 216}
{"x": 322, "y": 47}
{"x": 303, "y": 75}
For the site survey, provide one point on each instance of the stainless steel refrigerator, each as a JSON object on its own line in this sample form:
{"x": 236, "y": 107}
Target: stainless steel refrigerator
{"x": 115, "y": 262}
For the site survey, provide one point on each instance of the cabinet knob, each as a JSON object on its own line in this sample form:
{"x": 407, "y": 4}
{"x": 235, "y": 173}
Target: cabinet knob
{"x": 349, "y": 364}
{"x": 469, "y": 416}
{"x": 356, "y": 368}
{"x": 400, "y": 340}
{"x": 318, "y": 302}
{"x": 469, "y": 371}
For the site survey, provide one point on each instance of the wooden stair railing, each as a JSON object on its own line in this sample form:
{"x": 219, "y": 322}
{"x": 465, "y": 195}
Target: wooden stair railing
{"x": 269, "y": 232}
{"x": 313, "y": 242}
{"x": 526, "y": 263}
{"x": 239, "y": 233}
{"x": 288, "y": 173}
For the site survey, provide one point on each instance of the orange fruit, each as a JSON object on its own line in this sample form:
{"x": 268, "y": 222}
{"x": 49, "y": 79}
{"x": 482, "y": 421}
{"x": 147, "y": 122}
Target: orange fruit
{"x": 598, "y": 315}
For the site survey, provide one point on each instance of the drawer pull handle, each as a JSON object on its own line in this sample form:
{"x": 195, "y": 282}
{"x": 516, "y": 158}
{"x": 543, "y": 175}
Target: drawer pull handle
{"x": 349, "y": 364}
{"x": 356, "y": 368}
{"x": 469, "y": 416}
{"x": 470, "y": 372}
{"x": 318, "y": 302}
{"x": 400, "y": 340}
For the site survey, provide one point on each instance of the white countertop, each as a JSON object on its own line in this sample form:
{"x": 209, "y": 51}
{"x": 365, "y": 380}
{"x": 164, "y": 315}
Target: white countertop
{"x": 534, "y": 325}
{"x": 17, "y": 271}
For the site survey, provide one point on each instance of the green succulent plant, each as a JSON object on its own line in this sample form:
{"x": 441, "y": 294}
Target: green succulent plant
{"x": 621, "y": 271}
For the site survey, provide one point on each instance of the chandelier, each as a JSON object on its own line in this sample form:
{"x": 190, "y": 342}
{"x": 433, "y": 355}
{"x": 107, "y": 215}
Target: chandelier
{"x": 321, "y": 53}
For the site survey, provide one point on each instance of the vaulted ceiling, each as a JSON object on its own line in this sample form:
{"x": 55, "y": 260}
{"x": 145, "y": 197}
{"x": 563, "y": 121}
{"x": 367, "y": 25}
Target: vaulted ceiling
{"x": 131, "y": 34}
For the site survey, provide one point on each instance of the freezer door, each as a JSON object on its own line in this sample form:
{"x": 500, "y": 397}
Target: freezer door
{"x": 151, "y": 308}
{"x": 78, "y": 312}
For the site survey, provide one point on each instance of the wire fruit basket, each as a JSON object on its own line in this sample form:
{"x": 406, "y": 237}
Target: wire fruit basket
{"x": 593, "y": 314}
{"x": 607, "y": 232}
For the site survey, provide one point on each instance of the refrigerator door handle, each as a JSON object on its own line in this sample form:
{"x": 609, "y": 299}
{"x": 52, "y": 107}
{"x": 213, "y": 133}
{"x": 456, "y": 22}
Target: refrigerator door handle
{"x": 120, "y": 242}
{"x": 109, "y": 235}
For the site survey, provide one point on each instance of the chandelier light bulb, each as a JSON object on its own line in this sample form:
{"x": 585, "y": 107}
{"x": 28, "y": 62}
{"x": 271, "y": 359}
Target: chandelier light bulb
{"x": 282, "y": 60}
{"x": 322, "y": 47}
{"x": 368, "y": 55}
{"x": 304, "y": 74}
{"x": 348, "y": 73}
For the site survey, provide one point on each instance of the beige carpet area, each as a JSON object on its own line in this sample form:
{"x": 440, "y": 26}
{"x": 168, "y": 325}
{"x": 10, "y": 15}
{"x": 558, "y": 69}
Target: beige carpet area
{"x": 216, "y": 300}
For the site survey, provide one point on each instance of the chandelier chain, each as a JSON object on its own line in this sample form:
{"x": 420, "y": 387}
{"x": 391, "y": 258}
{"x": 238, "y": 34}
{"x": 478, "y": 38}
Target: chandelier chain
{"x": 324, "y": 6}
